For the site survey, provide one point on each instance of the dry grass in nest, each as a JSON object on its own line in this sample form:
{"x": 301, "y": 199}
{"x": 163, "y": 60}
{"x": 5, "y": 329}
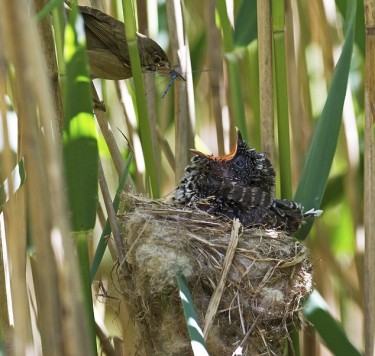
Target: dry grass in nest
{"x": 248, "y": 285}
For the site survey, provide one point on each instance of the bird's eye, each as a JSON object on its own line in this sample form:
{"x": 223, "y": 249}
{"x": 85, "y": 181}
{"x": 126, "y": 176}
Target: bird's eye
{"x": 239, "y": 162}
{"x": 157, "y": 59}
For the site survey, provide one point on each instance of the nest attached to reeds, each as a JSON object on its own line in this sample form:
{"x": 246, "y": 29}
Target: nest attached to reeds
{"x": 259, "y": 287}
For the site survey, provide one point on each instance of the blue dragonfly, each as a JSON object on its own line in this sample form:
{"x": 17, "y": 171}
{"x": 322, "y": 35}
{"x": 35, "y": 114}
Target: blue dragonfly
{"x": 174, "y": 76}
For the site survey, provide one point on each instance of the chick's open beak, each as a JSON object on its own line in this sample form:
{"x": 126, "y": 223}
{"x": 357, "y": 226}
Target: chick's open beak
{"x": 226, "y": 157}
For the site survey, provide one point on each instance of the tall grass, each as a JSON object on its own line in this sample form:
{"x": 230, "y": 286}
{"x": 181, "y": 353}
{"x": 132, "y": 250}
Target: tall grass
{"x": 286, "y": 93}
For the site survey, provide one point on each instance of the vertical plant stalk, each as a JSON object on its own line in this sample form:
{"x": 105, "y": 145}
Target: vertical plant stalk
{"x": 149, "y": 85}
{"x": 60, "y": 316}
{"x": 11, "y": 215}
{"x": 185, "y": 112}
{"x": 17, "y": 338}
{"x": 152, "y": 179}
{"x": 300, "y": 96}
{"x": 280, "y": 60}
{"x": 265, "y": 76}
{"x": 216, "y": 74}
{"x": 115, "y": 247}
{"x": 278, "y": 25}
{"x": 45, "y": 32}
{"x": 319, "y": 29}
{"x": 236, "y": 103}
{"x": 108, "y": 136}
{"x": 58, "y": 21}
{"x": 80, "y": 152}
{"x": 6, "y": 329}
{"x": 252, "y": 72}
{"x": 369, "y": 179}
{"x": 133, "y": 138}
{"x": 112, "y": 218}
{"x": 294, "y": 88}
{"x": 24, "y": 106}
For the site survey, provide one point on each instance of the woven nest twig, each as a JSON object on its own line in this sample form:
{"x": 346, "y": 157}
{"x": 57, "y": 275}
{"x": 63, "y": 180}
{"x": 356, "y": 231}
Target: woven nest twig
{"x": 258, "y": 287}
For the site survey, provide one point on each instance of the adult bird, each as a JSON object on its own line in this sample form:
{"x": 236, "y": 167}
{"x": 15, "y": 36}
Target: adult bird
{"x": 239, "y": 185}
{"x": 108, "y": 52}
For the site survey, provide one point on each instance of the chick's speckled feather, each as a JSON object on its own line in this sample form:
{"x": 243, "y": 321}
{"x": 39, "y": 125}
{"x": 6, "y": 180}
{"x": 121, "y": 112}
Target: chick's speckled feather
{"x": 238, "y": 185}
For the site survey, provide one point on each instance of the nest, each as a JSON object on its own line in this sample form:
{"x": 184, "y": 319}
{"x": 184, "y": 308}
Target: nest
{"x": 248, "y": 285}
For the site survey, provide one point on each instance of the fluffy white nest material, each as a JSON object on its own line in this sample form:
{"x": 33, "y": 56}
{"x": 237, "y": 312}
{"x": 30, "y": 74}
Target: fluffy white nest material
{"x": 248, "y": 285}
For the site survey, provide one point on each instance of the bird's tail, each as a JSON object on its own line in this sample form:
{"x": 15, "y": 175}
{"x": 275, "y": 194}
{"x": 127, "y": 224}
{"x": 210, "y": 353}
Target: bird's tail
{"x": 312, "y": 212}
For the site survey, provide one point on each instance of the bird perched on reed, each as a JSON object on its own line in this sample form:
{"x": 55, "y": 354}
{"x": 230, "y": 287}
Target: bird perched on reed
{"x": 107, "y": 48}
{"x": 238, "y": 185}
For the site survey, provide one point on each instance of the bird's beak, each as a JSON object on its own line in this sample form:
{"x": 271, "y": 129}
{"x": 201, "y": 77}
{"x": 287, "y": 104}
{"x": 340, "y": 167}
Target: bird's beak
{"x": 170, "y": 72}
{"x": 199, "y": 153}
{"x": 226, "y": 157}
{"x": 233, "y": 151}
{"x": 239, "y": 136}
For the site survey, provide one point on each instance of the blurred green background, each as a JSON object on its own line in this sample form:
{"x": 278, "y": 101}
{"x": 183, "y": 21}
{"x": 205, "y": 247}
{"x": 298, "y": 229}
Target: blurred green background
{"x": 316, "y": 140}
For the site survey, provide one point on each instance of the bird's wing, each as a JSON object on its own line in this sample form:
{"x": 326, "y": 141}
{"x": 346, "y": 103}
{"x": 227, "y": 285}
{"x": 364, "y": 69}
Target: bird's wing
{"x": 244, "y": 195}
{"x": 289, "y": 214}
{"x": 104, "y": 31}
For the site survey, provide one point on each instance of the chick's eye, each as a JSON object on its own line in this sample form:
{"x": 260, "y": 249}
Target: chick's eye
{"x": 239, "y": 162}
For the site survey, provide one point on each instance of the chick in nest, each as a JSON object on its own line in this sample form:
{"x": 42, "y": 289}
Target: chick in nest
{"x": 239, "y": 185}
